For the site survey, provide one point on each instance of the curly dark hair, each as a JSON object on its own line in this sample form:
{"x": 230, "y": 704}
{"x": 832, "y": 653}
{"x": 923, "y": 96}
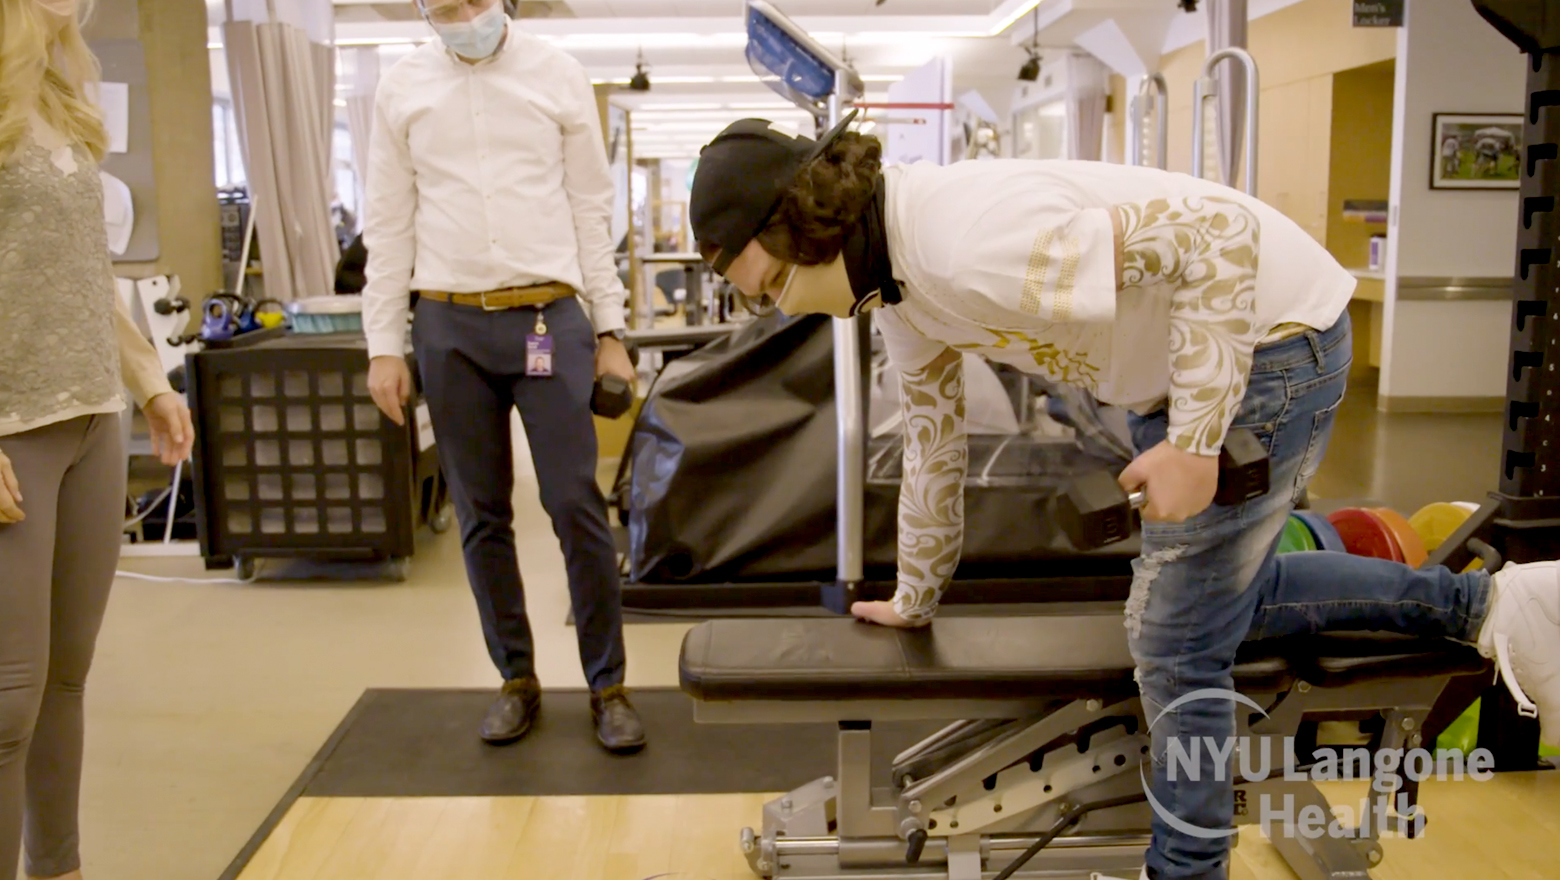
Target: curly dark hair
{"x": 828, "y": 196}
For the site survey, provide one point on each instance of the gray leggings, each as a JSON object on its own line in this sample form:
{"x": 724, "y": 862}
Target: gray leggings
{"x": 56, "y": 567}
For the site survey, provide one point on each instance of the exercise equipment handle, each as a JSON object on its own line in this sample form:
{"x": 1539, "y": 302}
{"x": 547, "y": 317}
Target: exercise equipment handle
{"x": 1154, "y": 88}
{"x": 1207, "y": 87}
{"x": 1243, "y": 472}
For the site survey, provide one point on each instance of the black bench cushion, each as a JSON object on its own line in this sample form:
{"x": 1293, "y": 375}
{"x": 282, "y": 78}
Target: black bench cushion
{"x": 954, "y": 658}
{"x": 1000, "y": 658}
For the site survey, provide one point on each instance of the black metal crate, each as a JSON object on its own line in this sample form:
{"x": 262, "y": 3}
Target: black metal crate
{"x": 293, "y": 458}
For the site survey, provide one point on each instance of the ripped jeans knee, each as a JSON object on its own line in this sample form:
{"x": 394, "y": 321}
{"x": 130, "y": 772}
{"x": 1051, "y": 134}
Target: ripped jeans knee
{"x": 1145, "y": 571}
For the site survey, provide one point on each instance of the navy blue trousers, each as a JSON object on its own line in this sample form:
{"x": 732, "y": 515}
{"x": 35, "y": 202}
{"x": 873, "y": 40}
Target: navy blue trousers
{"x": 472, "y": 364}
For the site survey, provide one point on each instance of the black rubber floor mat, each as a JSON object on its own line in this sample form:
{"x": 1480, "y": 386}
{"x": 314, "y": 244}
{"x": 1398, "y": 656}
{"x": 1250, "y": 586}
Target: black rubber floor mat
{"x": 423, "y": 743}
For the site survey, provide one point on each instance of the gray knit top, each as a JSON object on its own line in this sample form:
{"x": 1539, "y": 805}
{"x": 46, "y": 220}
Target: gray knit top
{"x": 59, "y": 357}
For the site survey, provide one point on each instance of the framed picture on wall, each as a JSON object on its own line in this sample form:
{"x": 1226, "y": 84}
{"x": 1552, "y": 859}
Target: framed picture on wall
{"x": 1476, "y": 151}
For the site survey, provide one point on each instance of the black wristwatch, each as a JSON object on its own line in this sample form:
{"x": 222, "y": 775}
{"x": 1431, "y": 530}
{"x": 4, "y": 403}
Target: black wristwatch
{"x": 619, "y": 335}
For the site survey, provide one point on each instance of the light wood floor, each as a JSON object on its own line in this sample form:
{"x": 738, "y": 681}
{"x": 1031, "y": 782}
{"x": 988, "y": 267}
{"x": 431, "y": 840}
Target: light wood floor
{"x": 1508, "y": 827}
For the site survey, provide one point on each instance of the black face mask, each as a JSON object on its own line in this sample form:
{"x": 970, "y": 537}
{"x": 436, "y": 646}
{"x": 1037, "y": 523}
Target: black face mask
{"x": 866, "y": 256}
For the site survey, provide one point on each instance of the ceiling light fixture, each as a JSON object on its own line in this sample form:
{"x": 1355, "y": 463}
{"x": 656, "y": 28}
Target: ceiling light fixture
{"x": 1013, "y": 17}
{"x": 653, "y": 108}
{"x": 663, "y": 80}
{"x": 640, "y": 40}
{"x": 1031, "y": 69}
{"x": 640, "y": 81}
{"x": 379, "y": 41}
{"x": 763, "y": 105}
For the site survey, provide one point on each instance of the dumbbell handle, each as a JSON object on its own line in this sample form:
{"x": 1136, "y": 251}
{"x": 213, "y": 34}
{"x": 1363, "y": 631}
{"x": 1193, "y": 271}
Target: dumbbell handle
{"x": 1136, "y": 500}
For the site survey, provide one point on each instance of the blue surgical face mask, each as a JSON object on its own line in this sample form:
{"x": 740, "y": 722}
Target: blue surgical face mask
{"x": 475, "y": 39}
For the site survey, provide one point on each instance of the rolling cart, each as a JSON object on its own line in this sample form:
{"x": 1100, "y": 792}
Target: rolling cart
{"x": 293, "y": 459}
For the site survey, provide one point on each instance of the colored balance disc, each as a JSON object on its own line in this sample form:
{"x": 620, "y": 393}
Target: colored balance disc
{"x": 1436, "y": 522}
{"x": 1364, "y": 534}
{"x": 1327, "y": 537}
{"x": 1409, "y": 544}
{"x": 1296, "y": 538}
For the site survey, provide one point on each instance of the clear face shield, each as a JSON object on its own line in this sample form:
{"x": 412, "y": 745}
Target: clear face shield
{"x": 446, "y": 12}
{"x": 472, "y": 29}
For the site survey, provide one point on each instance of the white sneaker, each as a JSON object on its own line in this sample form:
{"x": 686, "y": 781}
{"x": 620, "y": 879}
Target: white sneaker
{"x": 1522, "y": 633}
{"x": 1098, "y": 876}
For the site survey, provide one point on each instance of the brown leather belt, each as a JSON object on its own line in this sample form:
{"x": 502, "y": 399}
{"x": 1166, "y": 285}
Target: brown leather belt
{"x": 505, "y": 298}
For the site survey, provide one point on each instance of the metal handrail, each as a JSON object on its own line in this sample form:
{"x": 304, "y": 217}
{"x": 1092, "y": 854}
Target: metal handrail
{"x": 849, "y": 406}
{"x": 1207, "y": 87}
{"x": 1161, "y": 97}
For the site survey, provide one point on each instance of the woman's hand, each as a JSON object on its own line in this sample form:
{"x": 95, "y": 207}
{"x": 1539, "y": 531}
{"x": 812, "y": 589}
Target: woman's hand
{"x": 10, "y": 494}
{"x": 1179, "y": 484}
{"x": 882, "y": 613}
{"x": 173, "y": 436}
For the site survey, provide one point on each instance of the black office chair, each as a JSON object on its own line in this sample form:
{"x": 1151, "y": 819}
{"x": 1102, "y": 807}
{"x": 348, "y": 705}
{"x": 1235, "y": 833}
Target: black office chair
{"x": 669, "y": 282}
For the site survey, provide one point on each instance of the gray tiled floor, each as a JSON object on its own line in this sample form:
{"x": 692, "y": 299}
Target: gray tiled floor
{"x": 207, "y": 700}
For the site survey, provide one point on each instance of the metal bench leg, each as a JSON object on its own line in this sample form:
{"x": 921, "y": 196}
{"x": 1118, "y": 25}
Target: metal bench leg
{"x": 964, "y": 862}
{"x": 860, "y": 812}
{"x": 1311, "y": 857}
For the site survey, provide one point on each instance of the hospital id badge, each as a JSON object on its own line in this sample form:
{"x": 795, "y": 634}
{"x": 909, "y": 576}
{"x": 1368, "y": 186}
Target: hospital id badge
{"x": 539, "y": 353}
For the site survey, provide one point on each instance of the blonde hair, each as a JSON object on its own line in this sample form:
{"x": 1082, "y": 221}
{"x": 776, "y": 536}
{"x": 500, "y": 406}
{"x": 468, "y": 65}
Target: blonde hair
{"x": 46, "y": 71}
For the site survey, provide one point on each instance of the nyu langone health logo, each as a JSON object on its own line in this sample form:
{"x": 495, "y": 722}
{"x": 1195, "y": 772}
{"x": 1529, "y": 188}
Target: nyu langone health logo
{"x": 1250, "y": 759}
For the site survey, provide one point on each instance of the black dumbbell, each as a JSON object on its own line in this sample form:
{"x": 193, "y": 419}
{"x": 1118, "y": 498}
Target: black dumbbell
{"x": 612, "y": 397}
{"x": 1095, "y": 511}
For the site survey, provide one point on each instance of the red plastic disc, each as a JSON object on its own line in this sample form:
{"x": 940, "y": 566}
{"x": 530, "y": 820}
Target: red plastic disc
{"x": 1364, "y": 534}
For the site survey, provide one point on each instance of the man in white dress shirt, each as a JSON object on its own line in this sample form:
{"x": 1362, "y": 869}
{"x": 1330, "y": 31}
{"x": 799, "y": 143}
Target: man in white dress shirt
{"x": 489, "y": 194}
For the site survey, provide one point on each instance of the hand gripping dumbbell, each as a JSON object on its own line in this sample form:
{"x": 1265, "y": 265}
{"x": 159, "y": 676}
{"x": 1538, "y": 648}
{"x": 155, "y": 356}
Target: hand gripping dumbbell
{"x": 612, "y": 396}
{"x": 1096, "y": 511}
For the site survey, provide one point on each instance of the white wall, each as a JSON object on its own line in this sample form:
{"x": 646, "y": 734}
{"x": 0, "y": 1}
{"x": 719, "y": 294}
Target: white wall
{"x": 931, "y": 83}
{"x": 1449, "y": 61}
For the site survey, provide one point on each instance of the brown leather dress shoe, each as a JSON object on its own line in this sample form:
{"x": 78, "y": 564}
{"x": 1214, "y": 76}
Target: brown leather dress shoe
{"x": 511, "y": 714}
{"x": 618, "y": 727}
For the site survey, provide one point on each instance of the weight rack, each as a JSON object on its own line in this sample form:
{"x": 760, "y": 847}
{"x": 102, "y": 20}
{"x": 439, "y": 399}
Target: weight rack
{"x": 1521, "y": 522}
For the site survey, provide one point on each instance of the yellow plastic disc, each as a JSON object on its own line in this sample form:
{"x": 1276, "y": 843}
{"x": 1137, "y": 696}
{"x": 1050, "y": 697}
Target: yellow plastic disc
{"x": 1436, "y": 522}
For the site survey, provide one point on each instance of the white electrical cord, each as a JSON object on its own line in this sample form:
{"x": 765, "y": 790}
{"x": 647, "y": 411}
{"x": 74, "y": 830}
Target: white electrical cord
{"x": 178, "y": 472}
{"x": 149, "y": 508}
{"x": 172, "y": 505}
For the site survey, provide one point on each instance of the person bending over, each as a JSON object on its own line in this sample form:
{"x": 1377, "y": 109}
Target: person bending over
{"x": 1200, "y": 309}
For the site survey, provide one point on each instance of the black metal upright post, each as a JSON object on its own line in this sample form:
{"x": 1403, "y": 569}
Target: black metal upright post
{"x": 1530, "y": 463}
{"x": 1521, "y": 522}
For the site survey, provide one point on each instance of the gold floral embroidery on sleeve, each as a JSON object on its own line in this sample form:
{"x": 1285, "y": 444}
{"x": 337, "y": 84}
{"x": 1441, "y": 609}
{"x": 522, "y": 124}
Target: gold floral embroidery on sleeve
{"x": 1058, "y": 363}
{"x": 1205, "y": 249}
{"x": 931, "y": 493}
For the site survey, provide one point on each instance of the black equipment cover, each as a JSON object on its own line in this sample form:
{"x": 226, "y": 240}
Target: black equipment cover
{"x": 733, "y": 475}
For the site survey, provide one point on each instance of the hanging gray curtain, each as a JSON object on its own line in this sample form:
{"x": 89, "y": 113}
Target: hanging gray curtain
{"x": 1227, "y": 20}
{"x": 360, "y": 70}
{"x": 1087, "y": 84}
{"x": 283, "y": 92}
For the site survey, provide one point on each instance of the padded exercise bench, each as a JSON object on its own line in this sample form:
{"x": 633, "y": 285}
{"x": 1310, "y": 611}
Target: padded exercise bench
{"x": 1047, "y": 739}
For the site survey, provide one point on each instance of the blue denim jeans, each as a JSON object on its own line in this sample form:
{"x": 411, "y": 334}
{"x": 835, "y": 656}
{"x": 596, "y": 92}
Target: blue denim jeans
{"x": 1203, "y": 586}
